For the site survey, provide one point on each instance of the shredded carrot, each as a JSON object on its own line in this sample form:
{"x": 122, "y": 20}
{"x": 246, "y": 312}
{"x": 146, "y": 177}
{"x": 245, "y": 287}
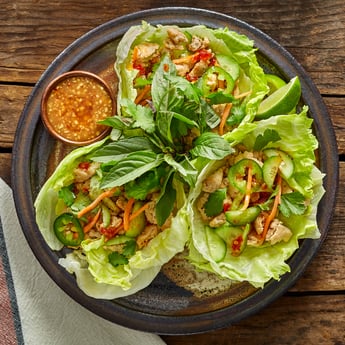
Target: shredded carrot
{"x": 243, "y": 94}
{"x": 132, "y": 216}
{"x": 142, "y": 93}
{"x": 248, "y": 188}
{"x": 94, "y": 203}
{"x": 274, "y": 210}
{"x": 185, "y": 59}
{"x": 127, "y": 212}
{"x": 224, "y": 117}
{"x": 137, "y": 212}
{"x": 91, "y": 224}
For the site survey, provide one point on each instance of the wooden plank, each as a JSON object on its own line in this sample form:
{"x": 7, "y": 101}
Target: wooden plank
{"x": 309, "y": 32}
{"x": 12, "y": 100}
{"x": 326, "y": 270}
{"x": 301, "y": 320}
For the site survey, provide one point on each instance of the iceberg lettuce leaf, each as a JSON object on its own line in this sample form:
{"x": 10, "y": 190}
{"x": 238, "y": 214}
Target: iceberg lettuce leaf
{"x": 95, "y": 275}
{"x": 258, "y": 265}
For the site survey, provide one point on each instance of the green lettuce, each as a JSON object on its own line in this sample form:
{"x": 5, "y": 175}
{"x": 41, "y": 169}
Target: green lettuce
{"x": 94, "y": 274}
{"x": 222, "y": 41}
{"x": 258, "y": 265}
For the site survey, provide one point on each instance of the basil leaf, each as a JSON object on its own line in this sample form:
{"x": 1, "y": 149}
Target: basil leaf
{"x": 163, "y": 122}
{"x": 115, "y": 122}
{"x": 166, "y": 201}
{"x": 211, "y": 118}
{"x": 120, "y": 149}
{"x": 211, "y": 145}
{"x": 130, "y": 168}
{"x": 161, "y": 86}
{"x": 145, "y": 184}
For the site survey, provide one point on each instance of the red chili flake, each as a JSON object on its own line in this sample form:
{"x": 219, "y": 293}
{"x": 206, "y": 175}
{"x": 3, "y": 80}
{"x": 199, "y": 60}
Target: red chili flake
{"x": 264, "y": 196}
{"x": 109, "y": 232}
{"x": 141, "y": 68}
{"x": 166, "y": 68}
{"x": 204, "y": 55}
{"x": 84, "y": 165}
{"x": 236, "y": 244}
{"x": 191, "y": 78}
{"x": 226, "y": 207}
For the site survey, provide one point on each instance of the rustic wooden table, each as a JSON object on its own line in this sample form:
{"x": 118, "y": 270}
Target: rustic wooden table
{"x": 33, "y": 33}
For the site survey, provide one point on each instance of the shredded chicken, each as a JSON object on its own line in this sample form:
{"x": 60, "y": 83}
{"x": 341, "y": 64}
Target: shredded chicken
{"x": 213, "y": 182}
{"x": 147, "y": 235}
{"x": 278, "y": 232}
{"x": 177, "y": 37}
{"x": 218, "y": 221}
{"x": 82, "y": 174}
{"x": 198, "y": 43}
{"x": 200, "y": 206}
{"x": 150, "y": 212}
{"x": 145, "y": 52}
{"x": 182, "y": 69}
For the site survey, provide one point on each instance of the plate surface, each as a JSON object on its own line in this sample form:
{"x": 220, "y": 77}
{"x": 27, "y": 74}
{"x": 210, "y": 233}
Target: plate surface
{"x": 163, "y": 307}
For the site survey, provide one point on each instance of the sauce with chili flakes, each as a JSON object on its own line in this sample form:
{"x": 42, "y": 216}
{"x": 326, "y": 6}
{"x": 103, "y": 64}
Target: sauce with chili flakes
{"x": 75, "y": 105}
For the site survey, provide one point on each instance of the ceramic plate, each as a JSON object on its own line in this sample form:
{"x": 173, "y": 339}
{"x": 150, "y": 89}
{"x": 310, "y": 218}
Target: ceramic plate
{"x": 163, "y": 307}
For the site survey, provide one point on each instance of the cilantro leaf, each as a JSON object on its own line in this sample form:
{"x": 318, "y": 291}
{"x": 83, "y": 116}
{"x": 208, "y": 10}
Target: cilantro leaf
{"x": 129, "y": 248}
{"x": 269, "y": 136}
{"x": 66, "y": 194}
{"x": 292, "y": 203}
{"x": 117, "y": 259}
{"x": 237, "y": 114}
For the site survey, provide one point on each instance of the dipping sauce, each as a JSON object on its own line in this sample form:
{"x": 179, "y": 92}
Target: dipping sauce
{"x": 73, "y": 105}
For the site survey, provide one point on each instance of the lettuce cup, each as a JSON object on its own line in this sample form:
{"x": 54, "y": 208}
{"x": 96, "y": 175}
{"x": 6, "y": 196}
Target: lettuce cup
{"x": 221, "y": 64}
{"x": 115, "y": 237}
{"x": 249, "y": 210}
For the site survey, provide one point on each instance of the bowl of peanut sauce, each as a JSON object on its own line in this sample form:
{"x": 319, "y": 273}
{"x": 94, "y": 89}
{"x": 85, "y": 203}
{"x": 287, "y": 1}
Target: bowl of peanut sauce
{"x": 73, "y": 104}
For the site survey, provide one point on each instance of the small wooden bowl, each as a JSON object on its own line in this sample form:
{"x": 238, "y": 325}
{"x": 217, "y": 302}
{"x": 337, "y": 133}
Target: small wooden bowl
{"x": 73, "y": 103}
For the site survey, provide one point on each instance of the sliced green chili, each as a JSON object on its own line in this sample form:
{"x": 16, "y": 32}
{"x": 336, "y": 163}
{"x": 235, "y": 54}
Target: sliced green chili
{"x": 68, "y": 230}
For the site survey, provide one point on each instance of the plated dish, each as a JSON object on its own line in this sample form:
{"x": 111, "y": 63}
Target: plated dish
{"x": 176, "y": 309}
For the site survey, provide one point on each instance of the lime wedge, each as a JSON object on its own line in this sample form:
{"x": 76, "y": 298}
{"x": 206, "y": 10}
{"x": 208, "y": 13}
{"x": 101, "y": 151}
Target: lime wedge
{"x": 281, "y": 101}
{"x": 274, "y": 82}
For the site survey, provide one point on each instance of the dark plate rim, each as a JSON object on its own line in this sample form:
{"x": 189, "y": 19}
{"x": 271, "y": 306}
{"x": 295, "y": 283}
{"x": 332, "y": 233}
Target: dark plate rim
{"x": 22, "y": 170}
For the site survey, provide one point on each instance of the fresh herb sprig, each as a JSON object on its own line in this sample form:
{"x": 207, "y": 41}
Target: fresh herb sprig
{"x": 157, "y": 137}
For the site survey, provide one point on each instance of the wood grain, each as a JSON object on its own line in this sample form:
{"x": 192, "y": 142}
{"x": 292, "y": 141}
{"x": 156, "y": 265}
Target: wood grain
{"x": 289, "y": 320}
{"x": 33, "y": 33}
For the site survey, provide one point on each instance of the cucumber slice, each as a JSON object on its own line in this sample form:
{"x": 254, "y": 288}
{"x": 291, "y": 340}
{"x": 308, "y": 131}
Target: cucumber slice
{"x": 119, "y": 240}
{"x": 286, "y": 167}
{"x": 229, "y": 65}
{"x": 242, "y": 217}
{"x": 216, "y": 245}
{"x": 270, "y": 169}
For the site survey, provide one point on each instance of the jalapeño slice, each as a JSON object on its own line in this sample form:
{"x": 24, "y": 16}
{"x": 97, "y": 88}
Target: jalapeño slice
{"x": 238, "y": 175}
{"x": 216, "y": 79}
{"x": 68, "y": 230}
